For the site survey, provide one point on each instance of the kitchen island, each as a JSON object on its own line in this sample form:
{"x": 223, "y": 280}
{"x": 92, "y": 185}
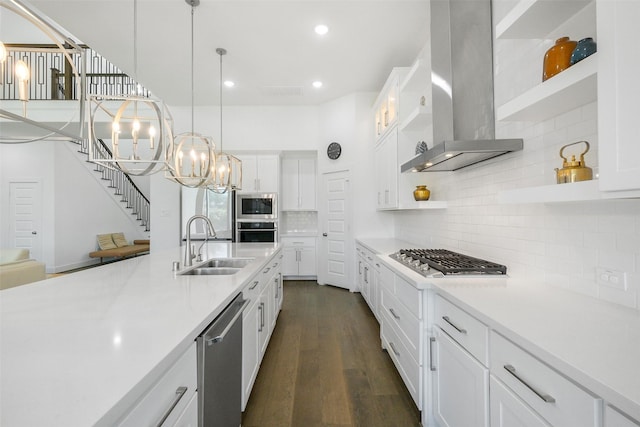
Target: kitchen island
{"x": 593, "y": 343}
{"x": 81, "y": 349}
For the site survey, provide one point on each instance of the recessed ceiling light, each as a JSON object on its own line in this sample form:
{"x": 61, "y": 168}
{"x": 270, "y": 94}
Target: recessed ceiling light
{"x": 317, "y": 84}
{"x": 229, "y": 83}
{"x": 321, "y": 29}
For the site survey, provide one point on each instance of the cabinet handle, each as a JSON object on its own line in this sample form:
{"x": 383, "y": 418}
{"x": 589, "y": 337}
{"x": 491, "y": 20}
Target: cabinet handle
{"x": 394, "y": 313}
{"x": 261, "y": 308}
{"x": 255, "y": 183}
{"x": 266, "y": 270}
{"x": 386, "y": 118}
{"x": 545, "y": 397}
{"x": 359, "y": 267}
{"x": 274, "y": 265}
{"x": 432, "y": 366}
{"x": 393, "y": 348}
{"x": 180, "y": 391}
{"x": 258, "y": 183}
{"x": 378, "y": 127}
{"x": 254, "y": 285}
{"x": 366, "y": 274}
{"x": 277, "y": 288}
{"x": 453, "y": 325}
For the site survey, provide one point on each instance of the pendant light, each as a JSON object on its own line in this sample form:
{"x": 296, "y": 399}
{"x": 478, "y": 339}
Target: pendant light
{"x": 138, "y": 128}
{"x": 192, "y": 158}
{"x": 228, "y": 169}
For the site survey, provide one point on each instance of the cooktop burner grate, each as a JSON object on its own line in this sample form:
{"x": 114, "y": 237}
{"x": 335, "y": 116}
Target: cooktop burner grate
{"x": 450, "y": 263}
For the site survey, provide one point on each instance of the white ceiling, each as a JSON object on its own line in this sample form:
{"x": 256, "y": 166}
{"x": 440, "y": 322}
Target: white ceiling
{"x": 273, "y": 53}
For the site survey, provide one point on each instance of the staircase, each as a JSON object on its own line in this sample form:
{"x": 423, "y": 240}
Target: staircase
{"x": 122, "y": 185}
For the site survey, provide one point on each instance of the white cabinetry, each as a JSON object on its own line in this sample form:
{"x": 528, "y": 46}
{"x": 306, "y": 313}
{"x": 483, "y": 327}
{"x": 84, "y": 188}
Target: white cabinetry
{"x": 401, "y": 329}
{"x": 368, "y": 268}
{"x": 618, "y": 88}
{"x": 264, "y": 291}
{"x": 386, "y": 163}
{"x": 386, "y": 105}
{"x": 460, "y": 374}
{"x": 557, "y": 399}
{"x": 507, "y": 410}
{"x": 173, "y": 392}
{"x": 613, "y": 418}
{"x": 299, "y": 256}
{"x": 260, "y": 173}
{"x": 298, "y": 184}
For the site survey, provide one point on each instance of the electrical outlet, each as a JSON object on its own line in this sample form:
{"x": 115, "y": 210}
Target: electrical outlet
{"x": 611, "y": 278}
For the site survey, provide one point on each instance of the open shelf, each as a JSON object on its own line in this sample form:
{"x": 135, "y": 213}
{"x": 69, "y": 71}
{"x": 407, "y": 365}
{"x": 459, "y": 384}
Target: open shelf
{"x": 418, "y": 119}
{"x": 535, "y": 19}
{"x": 570, "y": 89}
{"x": 422, "y": 205}
{"x": 571, "y": 192}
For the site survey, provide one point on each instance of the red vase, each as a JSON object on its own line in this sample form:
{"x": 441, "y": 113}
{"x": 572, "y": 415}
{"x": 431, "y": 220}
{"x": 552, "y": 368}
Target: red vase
{"x": 558, "y": 57}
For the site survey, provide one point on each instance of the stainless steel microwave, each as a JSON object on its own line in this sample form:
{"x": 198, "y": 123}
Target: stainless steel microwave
{"x": 256, "y": 206}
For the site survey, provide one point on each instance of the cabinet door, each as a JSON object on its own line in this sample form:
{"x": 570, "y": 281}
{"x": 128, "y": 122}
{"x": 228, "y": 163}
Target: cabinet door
{"x": 507, "y": 410}
{"x": 290, "y": 262}
{"x": 250, "y": 347}
{"x": 290, "y": 188}
{"x": 307, "y": 261}
{"x": 268, "y": 172}
{"x": 249, "y": 174}
{"x": 461, "y": 385}
{"x": 264, "y": 330}
{"x": 618, "y": 88}
{"x": 307, "y": 184}
{"x": 386, "y": 161}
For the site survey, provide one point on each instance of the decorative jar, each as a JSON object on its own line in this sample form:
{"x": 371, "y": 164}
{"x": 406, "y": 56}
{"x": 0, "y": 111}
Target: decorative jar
{"x": 421, "y": 193}
{"x": 558, "y": 57}
{"x": 586, "y": 47}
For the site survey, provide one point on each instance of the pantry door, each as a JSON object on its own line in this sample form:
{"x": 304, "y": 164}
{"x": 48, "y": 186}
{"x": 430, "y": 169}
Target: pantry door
{"x": 336, "y": 231}
{"x": 25, "y": 217}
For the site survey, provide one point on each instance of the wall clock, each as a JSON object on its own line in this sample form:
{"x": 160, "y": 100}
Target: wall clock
{"x": 334, "y": 150}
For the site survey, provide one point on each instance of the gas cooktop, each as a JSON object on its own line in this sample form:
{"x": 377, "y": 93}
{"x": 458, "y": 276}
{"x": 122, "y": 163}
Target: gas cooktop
{"x": 442, "y": 262}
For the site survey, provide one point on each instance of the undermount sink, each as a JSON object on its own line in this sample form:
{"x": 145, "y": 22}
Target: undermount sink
{"x": 217, "y": 267}
{"x": 211, "y": 271}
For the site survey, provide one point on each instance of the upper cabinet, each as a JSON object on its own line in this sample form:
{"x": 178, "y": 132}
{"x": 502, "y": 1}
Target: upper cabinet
{"x": 298, "y": 184}
{"x": 618, "y": 91}
{"x": 386, "y": 105}
{"x": 260, "y": 173}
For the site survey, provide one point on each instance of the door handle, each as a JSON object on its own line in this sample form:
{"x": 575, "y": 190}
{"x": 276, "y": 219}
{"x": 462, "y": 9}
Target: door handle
{"x": 324, "y": 234}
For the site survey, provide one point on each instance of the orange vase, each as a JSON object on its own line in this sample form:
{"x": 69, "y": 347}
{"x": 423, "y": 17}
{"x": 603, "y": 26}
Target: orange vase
{"x": 558, "y": 57}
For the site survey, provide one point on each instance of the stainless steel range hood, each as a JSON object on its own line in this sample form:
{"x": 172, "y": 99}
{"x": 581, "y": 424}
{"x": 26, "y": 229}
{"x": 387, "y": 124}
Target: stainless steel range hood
{"x": 461, "y": 55}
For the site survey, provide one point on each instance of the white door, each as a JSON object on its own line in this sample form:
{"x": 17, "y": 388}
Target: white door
{"x": 336, "y": 231}
{"x": 25, "y": 217}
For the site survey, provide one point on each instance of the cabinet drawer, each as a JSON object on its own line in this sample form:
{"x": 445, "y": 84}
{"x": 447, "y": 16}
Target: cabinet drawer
{"x": 298, "y": 241}
{"x": 161, "y": 397}
{"x": 387, "y": 279}
{"x": 408, "y": 295}
{"x": 557, "y": 399}
{"x": 409, "y": 369}
{"x": 407, "y": 326}
{"x": 465, "y": 329}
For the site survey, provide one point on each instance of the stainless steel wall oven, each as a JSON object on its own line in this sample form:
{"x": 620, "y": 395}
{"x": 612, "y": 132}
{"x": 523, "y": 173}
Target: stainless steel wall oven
{"x": 256, "y": 231}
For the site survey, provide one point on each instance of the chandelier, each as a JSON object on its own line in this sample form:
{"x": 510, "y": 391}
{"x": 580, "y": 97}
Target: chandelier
{"x": 192, "y": 159}
{"x": 139, "y": 129}
{"x": 228, "y": 168}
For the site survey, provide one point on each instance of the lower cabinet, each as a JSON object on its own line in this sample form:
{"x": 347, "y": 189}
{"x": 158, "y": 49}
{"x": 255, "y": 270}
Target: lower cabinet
{"x": 171, "y": 398}
{"x": 460, "y": 385}
{"x": 259, "y": 319}
{"x": 299, "y": 257}
{"x": 507, "y": 410}
{"x": 368, "y": 268}
{"x": 189, "y": 417}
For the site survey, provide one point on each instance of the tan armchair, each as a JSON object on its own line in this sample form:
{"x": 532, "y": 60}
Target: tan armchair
{"x": 16, "y": 268}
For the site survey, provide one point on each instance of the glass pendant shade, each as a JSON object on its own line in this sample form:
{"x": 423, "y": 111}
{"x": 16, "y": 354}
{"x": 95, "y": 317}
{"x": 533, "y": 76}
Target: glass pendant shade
{"x": 131, "y": 133}
{"x": 192, "y": 160}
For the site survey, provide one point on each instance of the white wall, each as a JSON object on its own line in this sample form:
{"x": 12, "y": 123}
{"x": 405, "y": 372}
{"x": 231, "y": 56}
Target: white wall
{"x": 557, "y": 244}
{"x": 76, "y": 204}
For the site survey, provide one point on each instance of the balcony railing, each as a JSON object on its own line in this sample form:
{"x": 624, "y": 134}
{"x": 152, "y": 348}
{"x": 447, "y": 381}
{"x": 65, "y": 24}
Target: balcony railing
{"x": 52, "y": 79}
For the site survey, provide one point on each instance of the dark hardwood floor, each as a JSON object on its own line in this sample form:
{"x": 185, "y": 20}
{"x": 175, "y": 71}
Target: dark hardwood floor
{"x": 324, "y": 366}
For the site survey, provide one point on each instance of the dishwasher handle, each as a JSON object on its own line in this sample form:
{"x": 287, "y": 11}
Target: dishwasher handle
{"x": 218, "y": 338}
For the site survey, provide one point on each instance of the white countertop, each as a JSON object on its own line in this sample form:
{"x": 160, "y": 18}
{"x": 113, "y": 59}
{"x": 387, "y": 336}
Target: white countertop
{"x": 594, "y": 342}
{"x": 77, "y": 350}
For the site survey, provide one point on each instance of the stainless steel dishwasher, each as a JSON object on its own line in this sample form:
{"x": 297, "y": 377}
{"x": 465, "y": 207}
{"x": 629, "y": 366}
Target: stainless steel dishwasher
{"x": 220, "y": 368}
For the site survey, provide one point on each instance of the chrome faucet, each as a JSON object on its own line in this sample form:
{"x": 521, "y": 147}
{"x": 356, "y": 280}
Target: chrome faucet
{"x": 188, "y": 253}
